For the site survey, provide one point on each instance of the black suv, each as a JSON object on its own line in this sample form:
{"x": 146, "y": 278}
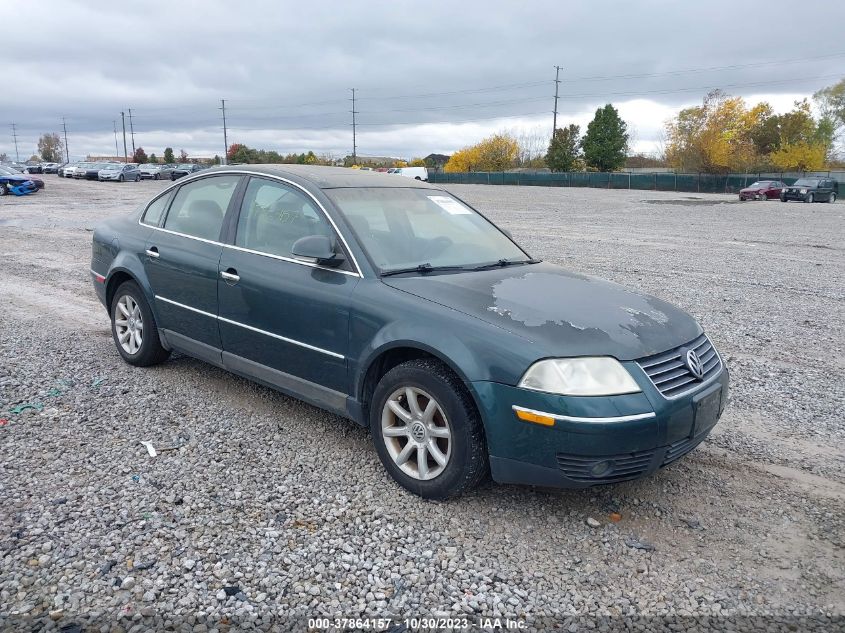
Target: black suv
{"x": 811, "y": 190}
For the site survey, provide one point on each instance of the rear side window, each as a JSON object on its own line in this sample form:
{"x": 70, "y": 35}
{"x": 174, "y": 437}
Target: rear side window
{"x": 198, "y": 207}
{"x": 274, "y": 216}
{"x": 156, "y": 209}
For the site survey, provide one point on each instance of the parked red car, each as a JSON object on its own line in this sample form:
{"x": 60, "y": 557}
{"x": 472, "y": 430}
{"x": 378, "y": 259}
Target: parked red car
{"x": 762, "y": 190}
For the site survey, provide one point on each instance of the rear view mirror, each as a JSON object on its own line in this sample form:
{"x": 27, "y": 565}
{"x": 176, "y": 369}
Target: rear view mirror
{"x": 317, "y": 248}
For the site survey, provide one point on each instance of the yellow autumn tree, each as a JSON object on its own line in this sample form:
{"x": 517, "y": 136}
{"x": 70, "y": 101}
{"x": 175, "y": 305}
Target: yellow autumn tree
{"x": 801, "y": 156}
{"x": 418, "y": 162}
{"x": 495, "y": 153}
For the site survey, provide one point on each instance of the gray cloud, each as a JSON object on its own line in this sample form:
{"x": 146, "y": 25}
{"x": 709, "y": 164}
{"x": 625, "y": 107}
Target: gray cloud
{"x": 285, "y": 68}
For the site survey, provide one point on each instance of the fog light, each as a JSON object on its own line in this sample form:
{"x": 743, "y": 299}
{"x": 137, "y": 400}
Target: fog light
{"x": 602, "y": 468}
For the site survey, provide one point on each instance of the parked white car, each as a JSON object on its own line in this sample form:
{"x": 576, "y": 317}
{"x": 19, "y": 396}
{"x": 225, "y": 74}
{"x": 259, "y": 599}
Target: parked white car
{"x": 150, "y": 170}
{"x": 66, "y": 171}
{"x": 417, "y": 173}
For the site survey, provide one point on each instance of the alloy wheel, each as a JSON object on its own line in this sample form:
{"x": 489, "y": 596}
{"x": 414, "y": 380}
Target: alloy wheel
{"x": 129, "y": 324}
{"x": 416, "y": 433}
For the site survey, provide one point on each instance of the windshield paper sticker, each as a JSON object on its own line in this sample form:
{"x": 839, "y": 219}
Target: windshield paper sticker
{"x": 450, "y": 205}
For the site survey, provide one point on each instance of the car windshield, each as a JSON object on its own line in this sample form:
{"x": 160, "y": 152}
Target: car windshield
{"x": 105, "y": 166}
{"x": 110, "y": 167}
{"x": 405, "y": 228}
{"x": 759, "y": 185}
{"x": 806, "y": 182}
{"x": 185, "y": 166}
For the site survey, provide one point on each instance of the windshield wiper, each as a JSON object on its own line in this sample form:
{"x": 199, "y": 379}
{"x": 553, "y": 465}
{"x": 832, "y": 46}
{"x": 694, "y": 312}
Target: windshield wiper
{"x": 507, "y": 262}
{"x": 422, "y": 268}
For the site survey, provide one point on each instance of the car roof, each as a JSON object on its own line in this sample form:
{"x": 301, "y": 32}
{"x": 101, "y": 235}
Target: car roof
{"x": 331, "y": 177}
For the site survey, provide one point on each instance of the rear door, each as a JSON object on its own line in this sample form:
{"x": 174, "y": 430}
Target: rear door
{"x": 181, "y": 263}
{"x": 281, "y": 319}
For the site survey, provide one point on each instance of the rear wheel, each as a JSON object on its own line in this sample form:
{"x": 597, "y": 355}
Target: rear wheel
{"x": 137, "y": 178}
{"x": 134, "y": 328}
{"x": 427, "y": 431}
{"x": 156, "y": 177}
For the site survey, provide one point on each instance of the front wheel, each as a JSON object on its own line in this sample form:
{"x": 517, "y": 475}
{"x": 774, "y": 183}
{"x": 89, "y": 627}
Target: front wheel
{"x": 810, "y": 198}
{"x": 832, "y": 198}
{"x": 3, "y": 190}
{"x": 156, "y": 177}
{"x": 134, "y": 328}
{"x": 121, "y": 178}
{"x": 137, "y": 179}
{"x": 427, "y": 431}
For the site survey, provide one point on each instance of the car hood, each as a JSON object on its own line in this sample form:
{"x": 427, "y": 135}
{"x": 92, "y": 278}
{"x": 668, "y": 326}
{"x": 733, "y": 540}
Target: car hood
{"x": 752, "y": 189}
{"x": 15, "y": 178}
{"x": 563, "y": 313}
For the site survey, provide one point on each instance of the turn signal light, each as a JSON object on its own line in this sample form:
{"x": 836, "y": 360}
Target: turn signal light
{"x": 528, "y": 416}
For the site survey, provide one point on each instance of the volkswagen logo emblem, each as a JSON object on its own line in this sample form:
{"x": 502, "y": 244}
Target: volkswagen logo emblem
{"x": 418, "y": 432}
{"x": 694, "y": 364}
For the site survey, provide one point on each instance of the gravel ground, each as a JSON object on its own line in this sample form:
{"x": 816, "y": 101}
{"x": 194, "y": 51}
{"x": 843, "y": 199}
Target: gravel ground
{"x": 270, "y": 508}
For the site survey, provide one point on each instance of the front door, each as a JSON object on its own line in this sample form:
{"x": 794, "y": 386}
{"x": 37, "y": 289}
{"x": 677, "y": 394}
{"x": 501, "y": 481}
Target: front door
{"x": 283, "y": 320}
{"x": 181, "y": 263}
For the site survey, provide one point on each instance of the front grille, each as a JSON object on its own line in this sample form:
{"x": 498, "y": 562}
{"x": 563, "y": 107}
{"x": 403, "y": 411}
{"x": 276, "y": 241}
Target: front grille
{"x": 622, "y": 467}
{"x": 669, "y": 373}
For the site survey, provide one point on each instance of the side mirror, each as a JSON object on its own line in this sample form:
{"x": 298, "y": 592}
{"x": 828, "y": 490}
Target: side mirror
{"x": 317, "y": 248}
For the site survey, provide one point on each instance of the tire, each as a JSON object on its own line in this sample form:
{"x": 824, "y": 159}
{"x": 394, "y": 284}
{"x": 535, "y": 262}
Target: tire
{"x": 149, "y": 351}
{"x": 156, "y": 177}
{"x": 137, "y": 179}
{"x": 3, "y": 190}
{"x": 783, "y": 199}
{"x": 810, "y": 198}
{"x": 832, "y": 198}
{"x": 459, "y": 437}
{"x": 120, "y": 178}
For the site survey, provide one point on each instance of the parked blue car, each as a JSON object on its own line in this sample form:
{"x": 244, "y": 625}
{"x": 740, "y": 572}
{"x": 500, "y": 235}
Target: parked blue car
{"x": 394, "y": 303}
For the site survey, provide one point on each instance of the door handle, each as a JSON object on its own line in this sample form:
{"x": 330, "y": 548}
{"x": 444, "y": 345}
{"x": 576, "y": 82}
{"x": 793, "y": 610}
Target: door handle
{"x": 152, "y": 251}
{"x": 230, "y": 275}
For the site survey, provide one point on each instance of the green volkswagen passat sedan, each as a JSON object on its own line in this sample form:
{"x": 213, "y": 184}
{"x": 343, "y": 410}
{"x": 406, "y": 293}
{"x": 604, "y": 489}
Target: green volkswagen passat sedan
{"x": 399, "y": 306}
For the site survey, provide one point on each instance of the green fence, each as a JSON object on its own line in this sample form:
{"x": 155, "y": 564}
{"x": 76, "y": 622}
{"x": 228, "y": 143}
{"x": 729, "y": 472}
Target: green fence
{"x": 698, "y": 183}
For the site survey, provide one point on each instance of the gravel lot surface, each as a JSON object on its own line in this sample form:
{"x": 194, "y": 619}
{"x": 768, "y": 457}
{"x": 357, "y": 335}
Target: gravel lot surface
{"x": 270, "y": 507}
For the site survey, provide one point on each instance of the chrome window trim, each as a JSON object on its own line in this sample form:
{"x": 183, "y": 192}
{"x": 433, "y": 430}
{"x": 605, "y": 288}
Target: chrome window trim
{"x": 573, "y": 418}
{"x": 253, "y": 329}
{"x": 200, "y": 175}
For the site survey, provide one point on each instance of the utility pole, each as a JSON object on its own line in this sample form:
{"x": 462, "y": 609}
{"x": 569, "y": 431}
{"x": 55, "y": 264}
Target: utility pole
{"x": 15, "y": 136}
{"x": 557, "y": 83}
{"x": 123, "y": 122}
{"x": 354, "y": 137}
{"x": 116, "y": 150}
{"x": 225, "y": 136}
{"x": 67, "y": 151}
{"x": 132, "y": 132}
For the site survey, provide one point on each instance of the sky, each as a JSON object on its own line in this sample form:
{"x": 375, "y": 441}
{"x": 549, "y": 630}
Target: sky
{"x": 429, "y": 76}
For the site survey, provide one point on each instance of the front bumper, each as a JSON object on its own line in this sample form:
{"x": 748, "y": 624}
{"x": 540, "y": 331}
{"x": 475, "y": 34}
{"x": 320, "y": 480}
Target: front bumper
{"x": 801, "y": 197}
{"x": 102, "y": 177}
{"x": 595, "y": 440}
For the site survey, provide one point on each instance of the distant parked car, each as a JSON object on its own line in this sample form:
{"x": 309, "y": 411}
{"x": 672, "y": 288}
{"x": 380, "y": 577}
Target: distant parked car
{"x": 32, "y": 167}
{"x": 417, "y": 173}
{"x": 11, "y": 171}
{"x": 80, "y": 170}
{"x": 761, "y": 190}
{"x": 185, "y": 169}
{"x": 50, "y": 168}
{"x": 92, "y": 172}
{"x": 119, "y": 172}
{"x": 66, "y": 170}
{"x": 811, "y": 190}
{"x": 150, "y": 170}
{"x": 166, "y": 170}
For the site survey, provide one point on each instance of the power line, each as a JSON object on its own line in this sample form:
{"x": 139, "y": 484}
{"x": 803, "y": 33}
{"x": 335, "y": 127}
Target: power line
{"x": 557, "y": 85}
{"x": 354, "y": 137}
{"x": 225, "y": 136}
{"x": 67, "y": 150}
{"x": 132, "y": 132}
{"x": 123, "y": 122}
{"x": 15, "y": 136}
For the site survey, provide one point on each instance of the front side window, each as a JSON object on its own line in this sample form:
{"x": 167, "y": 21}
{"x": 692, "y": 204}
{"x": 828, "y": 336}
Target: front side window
{"x": 274, "y": 216}
{"x": 401, "y": 228}
{"x": 199, "y": 206}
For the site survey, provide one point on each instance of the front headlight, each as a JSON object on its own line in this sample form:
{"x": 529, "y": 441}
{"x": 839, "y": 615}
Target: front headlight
{"x": 599, "y": 376}
{"x": 803, "y": 191}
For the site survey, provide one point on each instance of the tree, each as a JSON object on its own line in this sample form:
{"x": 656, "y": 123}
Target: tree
{"x": 183, "y": 156}
{"x": 495, "y": 153}
{"x": 831, "y": 104}
{"x": 50, "y": 147}
{"x": 140, "y": 156}
{"x": 418, "y": 162}
{"x": 152, "y": 159}
{"x": 3, "y": 157}
{"x": 168, "y": 155}
{"x": 564, "y": 149}
{"x": 606, "y": 140}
